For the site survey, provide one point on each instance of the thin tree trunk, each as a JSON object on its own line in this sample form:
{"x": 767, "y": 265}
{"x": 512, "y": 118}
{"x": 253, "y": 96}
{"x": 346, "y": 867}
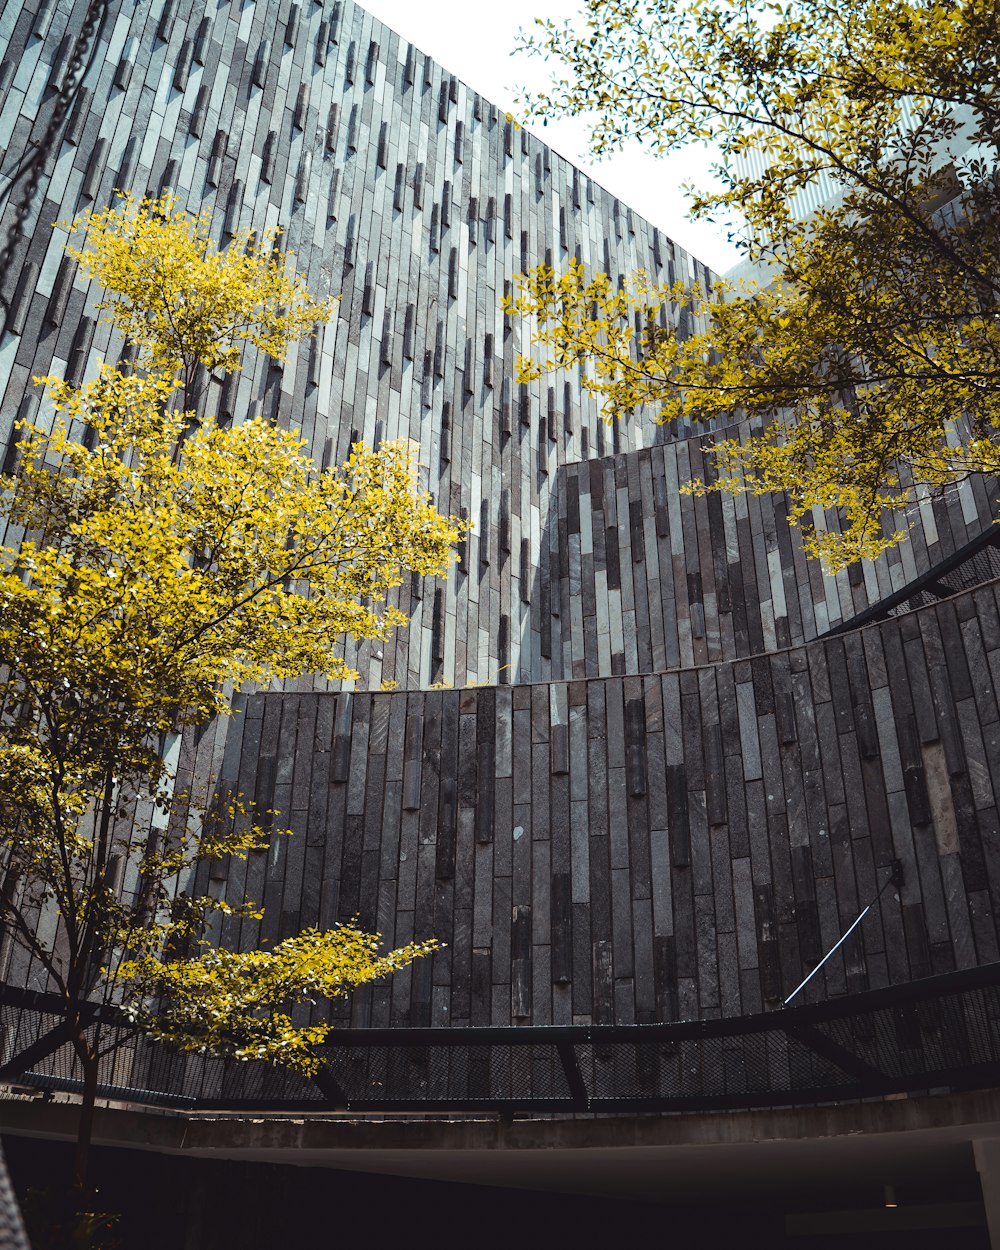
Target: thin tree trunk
{"x": 85, "y": 1126}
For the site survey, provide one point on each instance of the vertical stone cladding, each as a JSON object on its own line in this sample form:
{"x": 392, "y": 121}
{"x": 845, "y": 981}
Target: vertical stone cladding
{"x": 640, "y": 577}
{"x": 399, "y": 188}
{"x": 677, "y": 845}
{"x": 675, "y": 793}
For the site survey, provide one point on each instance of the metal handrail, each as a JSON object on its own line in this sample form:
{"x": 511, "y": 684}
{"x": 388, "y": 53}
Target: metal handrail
{"x": 951, "y": 1021}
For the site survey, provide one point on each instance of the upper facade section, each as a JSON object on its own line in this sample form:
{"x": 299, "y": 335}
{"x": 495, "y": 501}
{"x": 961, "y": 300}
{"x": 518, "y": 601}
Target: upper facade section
{"x": 397, "y": 187}
{"x": 401, "y": 189}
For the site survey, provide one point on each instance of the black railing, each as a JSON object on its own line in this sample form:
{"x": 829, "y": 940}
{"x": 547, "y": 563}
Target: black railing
{"x": 939, "y": 1032}
{"x": 972, "y": 565}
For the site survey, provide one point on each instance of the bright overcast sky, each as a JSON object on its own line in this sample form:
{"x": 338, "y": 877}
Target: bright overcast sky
{"x": 475, "y": 42}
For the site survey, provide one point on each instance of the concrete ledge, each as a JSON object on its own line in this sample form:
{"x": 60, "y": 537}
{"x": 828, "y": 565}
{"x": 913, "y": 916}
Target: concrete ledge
{"x": 665, "y": 1157}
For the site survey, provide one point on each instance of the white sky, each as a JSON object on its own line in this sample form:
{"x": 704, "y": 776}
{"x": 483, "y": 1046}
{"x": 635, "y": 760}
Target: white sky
{"x": 475, "y": 43}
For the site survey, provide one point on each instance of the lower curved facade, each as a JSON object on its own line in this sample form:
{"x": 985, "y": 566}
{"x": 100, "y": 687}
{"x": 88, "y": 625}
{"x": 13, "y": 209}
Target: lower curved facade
{"x": 681, "y": 845}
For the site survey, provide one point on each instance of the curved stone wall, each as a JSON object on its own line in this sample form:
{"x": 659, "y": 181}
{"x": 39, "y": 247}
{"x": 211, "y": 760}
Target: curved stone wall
{"x": 679, "y": 794}
{"x": 635, "y": 848}
{"x": 637, "y": 577}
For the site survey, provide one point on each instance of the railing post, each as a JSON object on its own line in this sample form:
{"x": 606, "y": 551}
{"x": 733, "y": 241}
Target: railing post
{"x": 332, "y": 1090}
{"x": 574, "y": 1077}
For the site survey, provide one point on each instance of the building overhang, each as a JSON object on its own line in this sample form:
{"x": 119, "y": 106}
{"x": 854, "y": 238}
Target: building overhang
{"x": 728, "y": 1156}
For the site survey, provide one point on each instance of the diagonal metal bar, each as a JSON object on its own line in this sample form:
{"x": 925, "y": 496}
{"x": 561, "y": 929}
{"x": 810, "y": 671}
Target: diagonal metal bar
{"x": 895, "y": 877}
{"x": 825, "y": 1030}
{"x": 881, "y": 610}
{"x": 574, "y": 1077}
{"x": 331, "y": 1089}
{"x": 39, "y": 1049}
{"x": 826, "y": 1047}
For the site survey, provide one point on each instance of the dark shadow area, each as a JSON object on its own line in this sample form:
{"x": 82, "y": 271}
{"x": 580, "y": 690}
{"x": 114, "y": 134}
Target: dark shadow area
{"x": 169, "y": 1203}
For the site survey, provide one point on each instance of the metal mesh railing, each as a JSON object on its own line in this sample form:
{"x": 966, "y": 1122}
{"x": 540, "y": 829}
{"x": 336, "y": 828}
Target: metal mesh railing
{"x": 982, "y": 565}
{"x": 976, "y": 563}
{"x": 943, "y": 1031}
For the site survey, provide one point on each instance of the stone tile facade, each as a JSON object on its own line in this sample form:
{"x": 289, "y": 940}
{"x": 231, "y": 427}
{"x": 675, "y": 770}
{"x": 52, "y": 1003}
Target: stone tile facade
{"x": 673, "y": 794}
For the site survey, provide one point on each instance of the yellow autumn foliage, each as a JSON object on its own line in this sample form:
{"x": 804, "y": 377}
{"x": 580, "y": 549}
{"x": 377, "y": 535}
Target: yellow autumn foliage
{"x": 235, "y": 1004}
{"x": 163, "y": 562}
{"x": 858, "y": 144}
{"x": 182, "y": 300}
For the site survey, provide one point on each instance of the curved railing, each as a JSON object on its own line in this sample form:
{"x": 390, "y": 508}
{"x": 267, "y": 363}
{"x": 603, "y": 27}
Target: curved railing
{"x": 938, "y": 1032}
{"x": 975, "y": 564}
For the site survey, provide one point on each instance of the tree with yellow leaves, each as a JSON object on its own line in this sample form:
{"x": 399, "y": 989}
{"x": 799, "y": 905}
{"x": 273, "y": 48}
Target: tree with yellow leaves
{"x": 166, "y": 561}
{"x": 184, "y": 302}
{"x": 859, "y": 151}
